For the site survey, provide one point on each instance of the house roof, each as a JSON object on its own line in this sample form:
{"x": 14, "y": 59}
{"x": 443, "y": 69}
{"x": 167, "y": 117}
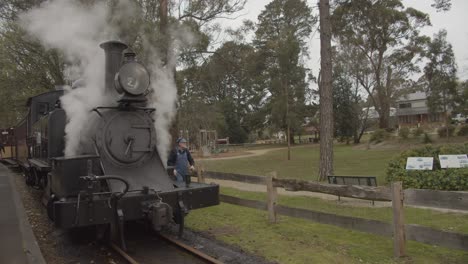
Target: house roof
{"x": 413, "y": 96}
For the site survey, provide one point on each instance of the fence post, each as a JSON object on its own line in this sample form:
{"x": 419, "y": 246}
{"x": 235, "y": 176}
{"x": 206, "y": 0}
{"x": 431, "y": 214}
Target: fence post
{"x": 272, "y": 197}
{"x": 200, "y": 177}
{"x": 399, "y": 236}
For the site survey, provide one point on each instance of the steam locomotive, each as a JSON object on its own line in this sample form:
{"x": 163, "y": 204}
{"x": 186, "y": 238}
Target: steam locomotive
{"x": 119, "y": 175}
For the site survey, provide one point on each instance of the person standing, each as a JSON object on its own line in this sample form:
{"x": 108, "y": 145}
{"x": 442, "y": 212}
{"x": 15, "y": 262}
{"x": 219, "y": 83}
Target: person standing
{"x": 181, "y": 159}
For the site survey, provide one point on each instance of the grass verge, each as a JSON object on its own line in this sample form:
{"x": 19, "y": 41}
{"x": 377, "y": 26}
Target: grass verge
{"x": 294, "y": 240}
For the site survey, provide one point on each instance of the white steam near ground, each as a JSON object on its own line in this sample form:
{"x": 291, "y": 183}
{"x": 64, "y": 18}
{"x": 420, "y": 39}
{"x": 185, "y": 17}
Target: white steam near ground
{"x": 76, "y": 30}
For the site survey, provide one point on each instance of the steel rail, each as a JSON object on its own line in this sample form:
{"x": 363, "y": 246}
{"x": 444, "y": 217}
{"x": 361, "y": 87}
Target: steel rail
{"x": 124, "y": 254}
{"x": 179, "y": 244}
{"x": 191, "y": 250}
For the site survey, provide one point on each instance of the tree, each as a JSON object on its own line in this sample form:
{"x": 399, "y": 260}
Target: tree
{"x": 228, "y": 81}
{"x": 280, "y": 38}
{"x": 326, "y": 92}
{"x": 442, "y": 5}
{"x": 441, "y": 76}
{"x": 387, "y": 35}
{"x": 346, "y": 99}
{"x": 462, "y": 102}
{"x": 26, "y": 69}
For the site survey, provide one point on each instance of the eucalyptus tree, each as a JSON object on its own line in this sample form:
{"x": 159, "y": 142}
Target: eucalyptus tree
{"x": 281, "y": 40}
{"x": 388, "y": 35}
{"x": 227, "y": 81}
{"x": 326, "y": 92}
{"x": 440, "y": 74}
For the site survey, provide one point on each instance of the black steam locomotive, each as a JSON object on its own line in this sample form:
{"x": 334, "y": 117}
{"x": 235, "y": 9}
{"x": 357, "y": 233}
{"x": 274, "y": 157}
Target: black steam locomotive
{"x": 119, "y": 175}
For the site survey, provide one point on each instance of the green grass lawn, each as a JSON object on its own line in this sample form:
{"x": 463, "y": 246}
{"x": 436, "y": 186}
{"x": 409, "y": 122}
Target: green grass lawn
{"x": 294, "y": 240}
{"x": 305, "y": 160}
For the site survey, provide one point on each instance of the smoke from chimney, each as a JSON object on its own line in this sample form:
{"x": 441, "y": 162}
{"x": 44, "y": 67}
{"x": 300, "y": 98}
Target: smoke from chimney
{"x": 77, "y": 30}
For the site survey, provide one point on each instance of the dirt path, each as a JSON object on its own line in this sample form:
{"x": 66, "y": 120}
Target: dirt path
{"x": 251, "y": 153}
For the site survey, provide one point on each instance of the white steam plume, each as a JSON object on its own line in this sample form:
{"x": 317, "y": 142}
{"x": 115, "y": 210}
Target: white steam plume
{"x": 77, "y": 30}
{"x": 164, "y": 96}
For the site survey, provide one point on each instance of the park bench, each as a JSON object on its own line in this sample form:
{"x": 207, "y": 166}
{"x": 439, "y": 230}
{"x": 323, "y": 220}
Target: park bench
{"x": 353, "y": 180}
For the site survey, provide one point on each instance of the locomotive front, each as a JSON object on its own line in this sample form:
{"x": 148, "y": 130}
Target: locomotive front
{"x": 119, "y": 175}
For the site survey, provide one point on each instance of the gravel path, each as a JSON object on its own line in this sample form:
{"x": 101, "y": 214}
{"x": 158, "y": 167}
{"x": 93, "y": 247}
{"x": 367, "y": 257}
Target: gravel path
{"x": 251, "y": 153}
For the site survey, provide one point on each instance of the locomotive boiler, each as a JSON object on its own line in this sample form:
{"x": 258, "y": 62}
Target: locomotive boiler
{"x": 118, "y": 175}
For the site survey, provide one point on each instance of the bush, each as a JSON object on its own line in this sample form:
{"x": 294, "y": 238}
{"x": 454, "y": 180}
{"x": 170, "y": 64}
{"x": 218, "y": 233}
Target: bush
{"x": 426, "y": 139}
{"x": 418, "y": 132}
{"x": 437, "y": 179}
{"x": 404, "y": 132}
{"x": 379, "y": 135}
{"x": 463, "y": 131}
{"x": 442, "y": 131}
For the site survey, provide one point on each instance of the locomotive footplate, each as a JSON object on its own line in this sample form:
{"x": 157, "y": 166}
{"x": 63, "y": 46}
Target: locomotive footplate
{"x": 69, "y": 213}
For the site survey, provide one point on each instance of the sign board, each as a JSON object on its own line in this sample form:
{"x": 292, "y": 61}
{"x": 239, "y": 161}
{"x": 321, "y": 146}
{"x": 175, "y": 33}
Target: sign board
{"x": 453, "y": 161}
{"x": 419, "y": 163}
{"x": 4, "y": 132}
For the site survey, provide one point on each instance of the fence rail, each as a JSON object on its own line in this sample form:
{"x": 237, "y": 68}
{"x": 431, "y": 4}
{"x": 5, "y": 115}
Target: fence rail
{"x": 453, "y": 200}
{"x": 397, "y": 229}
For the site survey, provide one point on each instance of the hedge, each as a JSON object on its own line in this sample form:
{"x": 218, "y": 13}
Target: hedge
{"x": 437, "y": 179}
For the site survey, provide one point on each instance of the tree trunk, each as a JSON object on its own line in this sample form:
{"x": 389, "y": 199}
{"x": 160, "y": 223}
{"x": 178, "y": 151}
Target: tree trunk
{"x": 287, "y": 121}
{"x": 163, "y": 28}
{"x": 165, "y": 50}
{"x": 384, "y": 112}
{"x": 326, "y": 93}
{"x": 289, "y": 142}
{"x": 446, "y": 115}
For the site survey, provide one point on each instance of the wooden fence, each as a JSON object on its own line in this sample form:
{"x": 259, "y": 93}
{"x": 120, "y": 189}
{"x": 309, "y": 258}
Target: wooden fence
{"x": 399, "y": 197}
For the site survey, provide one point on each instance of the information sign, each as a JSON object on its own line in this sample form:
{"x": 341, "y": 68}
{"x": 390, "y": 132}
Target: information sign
{"x": 419, "y": 163}
{"x": 453, "y": 161}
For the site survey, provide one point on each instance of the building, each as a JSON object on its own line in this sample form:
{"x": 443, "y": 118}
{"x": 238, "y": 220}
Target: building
{"x": 412, "y": 110}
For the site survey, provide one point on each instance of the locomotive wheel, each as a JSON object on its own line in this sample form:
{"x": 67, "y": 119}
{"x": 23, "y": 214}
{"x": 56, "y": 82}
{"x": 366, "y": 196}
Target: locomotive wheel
{"x": 42, "y": 180}
{"x": 50, "y": 207}
{"x": 36, "y": 181}
{"x": 29, "y": 177}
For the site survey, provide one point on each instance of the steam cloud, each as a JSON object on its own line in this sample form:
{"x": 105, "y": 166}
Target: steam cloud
{"x": 77, "y": 30}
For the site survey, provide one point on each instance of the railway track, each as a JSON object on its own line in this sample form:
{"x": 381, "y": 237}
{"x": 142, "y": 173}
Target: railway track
{"x": 163, "y": 249}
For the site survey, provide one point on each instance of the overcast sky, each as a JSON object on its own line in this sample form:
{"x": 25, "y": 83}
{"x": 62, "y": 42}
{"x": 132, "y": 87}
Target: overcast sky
{"x": 454, "y": 21}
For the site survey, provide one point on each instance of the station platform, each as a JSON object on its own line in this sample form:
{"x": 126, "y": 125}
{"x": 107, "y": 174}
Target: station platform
{"x": 18, "y": 244}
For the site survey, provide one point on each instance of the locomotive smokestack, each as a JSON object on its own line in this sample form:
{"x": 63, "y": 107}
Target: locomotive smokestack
{"x": 113, "y": 50}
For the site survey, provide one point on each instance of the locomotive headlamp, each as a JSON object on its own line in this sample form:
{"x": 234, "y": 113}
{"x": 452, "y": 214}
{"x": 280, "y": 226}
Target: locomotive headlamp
{"x": 132, "y": 78}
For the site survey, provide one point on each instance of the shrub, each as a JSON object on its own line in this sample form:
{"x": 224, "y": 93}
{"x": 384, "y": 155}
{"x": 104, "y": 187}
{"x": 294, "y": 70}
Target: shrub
{"x": 404, "y": 132}
{"x": 437, "y": 179}
{"x": 427, "y": 139}
{"x": 418, "y": 132}
{"x": 442, "y": 131}
{"x": 379, "y": 135}
{"x": 463, "y": 131}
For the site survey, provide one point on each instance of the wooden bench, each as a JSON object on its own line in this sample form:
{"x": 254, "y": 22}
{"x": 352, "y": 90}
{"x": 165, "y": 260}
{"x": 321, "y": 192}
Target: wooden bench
{"x": 353, "y": 180}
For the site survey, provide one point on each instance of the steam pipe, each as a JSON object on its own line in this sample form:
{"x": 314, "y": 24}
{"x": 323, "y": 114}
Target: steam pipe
{"x": 113, "y": 51}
